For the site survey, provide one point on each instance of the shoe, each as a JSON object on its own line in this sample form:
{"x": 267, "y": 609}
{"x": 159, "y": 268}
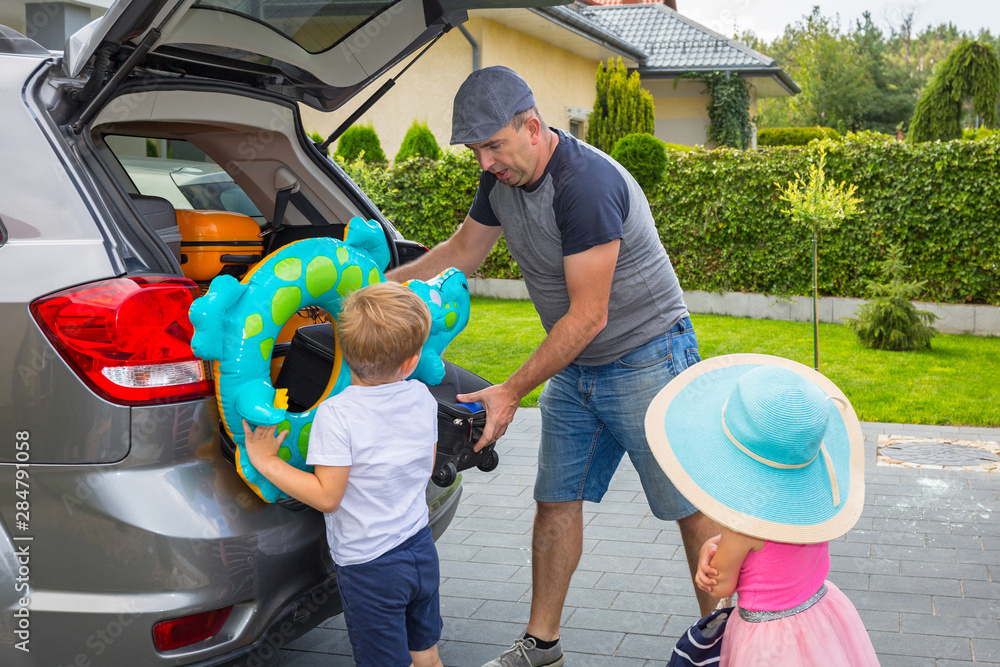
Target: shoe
{"x": 524, "y": 653}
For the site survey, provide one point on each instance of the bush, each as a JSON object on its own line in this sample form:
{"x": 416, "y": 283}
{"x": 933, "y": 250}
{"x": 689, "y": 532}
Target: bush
{"x": 643, "y": 155}
{"x": 678, "y": 147}
{"x": 969, "y": 134}
{"x": 720, "y": 218}
{"x": 360, "y": 141}
{"x": 418, "y": 142}
{"x": 890, "y": 321}
{"x": 794, "y": 136}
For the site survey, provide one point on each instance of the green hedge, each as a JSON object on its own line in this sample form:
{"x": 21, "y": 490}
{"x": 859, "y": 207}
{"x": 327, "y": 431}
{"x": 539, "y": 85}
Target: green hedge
{"x": 720, "y": 218}
{"x": 794, "y": 136}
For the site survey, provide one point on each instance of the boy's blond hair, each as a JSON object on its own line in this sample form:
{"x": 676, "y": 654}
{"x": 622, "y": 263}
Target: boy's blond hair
{"x": 379, "y": 327}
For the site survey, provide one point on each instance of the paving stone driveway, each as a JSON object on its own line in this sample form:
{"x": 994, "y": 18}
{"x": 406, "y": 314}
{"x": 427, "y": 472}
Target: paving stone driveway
{"x": 922, "y": 566}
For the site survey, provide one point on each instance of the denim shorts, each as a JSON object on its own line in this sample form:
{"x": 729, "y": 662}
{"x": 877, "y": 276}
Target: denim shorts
{"x": 592, "y": 415}
{"x": 391, "y": 604}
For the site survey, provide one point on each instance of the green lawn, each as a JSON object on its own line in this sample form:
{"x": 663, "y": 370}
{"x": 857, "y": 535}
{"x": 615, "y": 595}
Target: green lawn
{"x": 956, "y": 382}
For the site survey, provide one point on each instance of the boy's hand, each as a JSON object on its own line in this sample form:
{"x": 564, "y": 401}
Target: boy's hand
{"x": 705, "y": 578}
{"x": 262, "y": 444}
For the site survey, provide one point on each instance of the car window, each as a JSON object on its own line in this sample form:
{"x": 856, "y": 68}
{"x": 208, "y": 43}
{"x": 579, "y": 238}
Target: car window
{"x": 181, "y": 173}
{"x": 315, "y": 26}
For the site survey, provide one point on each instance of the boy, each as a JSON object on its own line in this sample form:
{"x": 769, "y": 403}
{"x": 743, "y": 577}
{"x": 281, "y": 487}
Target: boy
{"x": 373, "y": 449}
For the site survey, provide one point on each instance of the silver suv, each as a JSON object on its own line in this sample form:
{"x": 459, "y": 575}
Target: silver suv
{"x": 126, "y": 536}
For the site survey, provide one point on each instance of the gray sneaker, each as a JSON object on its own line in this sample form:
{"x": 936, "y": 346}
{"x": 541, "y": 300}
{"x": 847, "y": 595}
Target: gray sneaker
{"x": 524, "y": 653}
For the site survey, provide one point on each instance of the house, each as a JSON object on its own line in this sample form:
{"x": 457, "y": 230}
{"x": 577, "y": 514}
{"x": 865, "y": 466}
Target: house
{"x": 556, "y": 49}
{"x": 50, "y": 23}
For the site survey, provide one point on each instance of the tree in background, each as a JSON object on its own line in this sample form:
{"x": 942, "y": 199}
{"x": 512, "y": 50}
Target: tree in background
{"x": 622, "y": 106}
{"x": 360, "y": 142}
{"x": 863, "y": 78}
{"x": 832, "y": 70}
{"x": 418, "y": 142}
{"x": 971, "y": 71}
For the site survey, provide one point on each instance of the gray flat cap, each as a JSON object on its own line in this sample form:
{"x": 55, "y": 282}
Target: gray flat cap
{"x": 486, "y": 102}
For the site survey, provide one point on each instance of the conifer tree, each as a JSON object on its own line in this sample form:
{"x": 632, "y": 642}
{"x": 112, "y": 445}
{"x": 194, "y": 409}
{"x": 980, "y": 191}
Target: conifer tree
{"x": 890, "y": 321}
{"x": 622, "y": 106}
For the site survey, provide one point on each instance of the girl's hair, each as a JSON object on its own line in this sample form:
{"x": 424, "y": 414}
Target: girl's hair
{"x": 380, "y": 327}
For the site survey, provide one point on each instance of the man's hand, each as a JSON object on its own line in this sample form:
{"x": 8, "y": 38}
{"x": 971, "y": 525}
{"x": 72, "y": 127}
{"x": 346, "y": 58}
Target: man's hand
{"x": 501, "y": 404}
{"x": 705, "y": 578}
{"x": 262, "y": 444}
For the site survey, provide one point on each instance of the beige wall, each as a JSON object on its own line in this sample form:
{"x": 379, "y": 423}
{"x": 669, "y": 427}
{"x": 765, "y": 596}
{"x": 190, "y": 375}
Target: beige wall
{"x": 559, "y": 79}
{"x": 682, "y": 112}
{"x": 426, "y": 91}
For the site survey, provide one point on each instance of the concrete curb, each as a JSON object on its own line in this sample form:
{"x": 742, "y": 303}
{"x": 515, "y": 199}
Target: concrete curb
{"x": 955, "y": 318}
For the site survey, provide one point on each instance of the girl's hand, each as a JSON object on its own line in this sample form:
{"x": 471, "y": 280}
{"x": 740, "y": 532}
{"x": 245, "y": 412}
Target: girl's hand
{"x": 705, "y": 579}
{"x": 262, "y": 444}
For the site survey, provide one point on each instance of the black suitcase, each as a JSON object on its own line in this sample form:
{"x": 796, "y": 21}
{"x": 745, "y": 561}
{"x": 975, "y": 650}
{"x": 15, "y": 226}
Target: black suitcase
{"x": 306, "y": 371}
{"x": 460, "y": 425}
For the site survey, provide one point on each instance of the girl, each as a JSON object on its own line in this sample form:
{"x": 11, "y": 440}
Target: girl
{"x": 773, "y": 451}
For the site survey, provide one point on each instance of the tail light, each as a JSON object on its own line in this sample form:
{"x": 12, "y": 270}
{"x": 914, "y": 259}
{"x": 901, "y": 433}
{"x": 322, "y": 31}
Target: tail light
{"x": 187, "y": 630}
{"x": 129, "y": 338}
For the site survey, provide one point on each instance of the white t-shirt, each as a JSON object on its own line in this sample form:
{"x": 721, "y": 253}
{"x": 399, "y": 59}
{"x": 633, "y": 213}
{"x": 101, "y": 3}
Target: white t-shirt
{"x": 386, "y": 434}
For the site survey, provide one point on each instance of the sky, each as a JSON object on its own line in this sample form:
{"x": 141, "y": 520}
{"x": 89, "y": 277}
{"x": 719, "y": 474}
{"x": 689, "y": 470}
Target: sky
{"x": 768, "y": 18}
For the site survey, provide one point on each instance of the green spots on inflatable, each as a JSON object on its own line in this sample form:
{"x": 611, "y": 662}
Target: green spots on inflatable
{"x": 289, "y": 269}
{"x": 374, "y": 276}
{"x": 350, "y": 279}
{"x": 304, "y": 440}
{"x": 284, "y": 453}
{"x": 265, "y": 348}
{"x": 343, "y": 256}
{"x": 286, "y": 301}
{"x": 450, "y": 319}
{"x": 321, "y": 275}
{"x": 254, "y": 325}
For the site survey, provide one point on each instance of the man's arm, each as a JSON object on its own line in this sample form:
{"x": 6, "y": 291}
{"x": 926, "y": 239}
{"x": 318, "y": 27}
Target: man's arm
{"x": 466, "y": 249}
{"x": 588, "y": 282}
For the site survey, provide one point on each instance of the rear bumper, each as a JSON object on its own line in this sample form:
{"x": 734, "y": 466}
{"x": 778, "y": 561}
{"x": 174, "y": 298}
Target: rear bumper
{"x": 313, "y": 607}
{"x": 168, "y": 532}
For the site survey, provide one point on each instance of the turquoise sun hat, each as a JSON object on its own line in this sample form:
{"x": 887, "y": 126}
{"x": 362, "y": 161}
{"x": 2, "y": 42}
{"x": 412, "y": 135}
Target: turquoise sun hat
{"x": 763, "y": 445}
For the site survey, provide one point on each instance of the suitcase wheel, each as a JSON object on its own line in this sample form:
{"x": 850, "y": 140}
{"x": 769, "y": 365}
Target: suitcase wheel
{"x": 445, "y": 475}
{"x": 491, "y": 462}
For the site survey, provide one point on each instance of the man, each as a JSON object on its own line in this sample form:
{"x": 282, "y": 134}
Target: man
{"x": 583, "y": 236}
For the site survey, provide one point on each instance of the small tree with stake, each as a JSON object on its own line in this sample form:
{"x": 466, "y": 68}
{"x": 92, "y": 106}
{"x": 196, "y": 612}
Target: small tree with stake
{"x": 819, "y": 205}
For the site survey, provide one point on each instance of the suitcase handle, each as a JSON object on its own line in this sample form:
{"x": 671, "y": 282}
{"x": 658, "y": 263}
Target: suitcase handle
{"x": 472, "y": 407}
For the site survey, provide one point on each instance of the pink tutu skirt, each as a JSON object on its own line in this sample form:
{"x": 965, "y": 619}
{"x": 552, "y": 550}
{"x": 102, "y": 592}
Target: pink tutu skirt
{"x": 828, "y": 634}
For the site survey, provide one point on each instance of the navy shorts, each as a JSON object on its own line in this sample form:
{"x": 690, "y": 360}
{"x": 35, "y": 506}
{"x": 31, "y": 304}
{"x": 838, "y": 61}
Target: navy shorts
{"x": 391, "y": 604}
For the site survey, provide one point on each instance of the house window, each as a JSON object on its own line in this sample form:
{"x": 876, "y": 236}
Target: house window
{"x": 576, "y": 121}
